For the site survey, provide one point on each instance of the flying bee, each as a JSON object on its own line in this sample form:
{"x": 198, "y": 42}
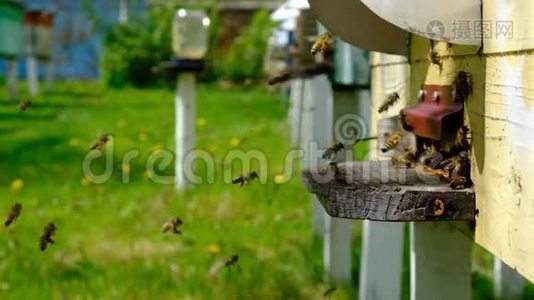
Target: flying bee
{"x": 390, "y": 100}
{"x": 283, "y": 77}
{"x": 172, "y": 225}
{"x": 392, "y": 140}
{"x": 458, "y": 182}
{"x": 329, "y": 292}
{"x": 332, "y": 150}
{"x": 245, "y": 178}
{"x": 99, "y": 144}
{"x": 232, "y": 261}
{"x": 24, "y": 105}
{"x": 46, "y": 238}
{"x": 407, "y": 159}
{"x": 14, "y": 213}
{"x": 322, "y": 43}
{"x": 463, "y": 86}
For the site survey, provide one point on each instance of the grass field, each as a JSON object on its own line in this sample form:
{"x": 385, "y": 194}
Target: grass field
{"x": 109, "y": 244}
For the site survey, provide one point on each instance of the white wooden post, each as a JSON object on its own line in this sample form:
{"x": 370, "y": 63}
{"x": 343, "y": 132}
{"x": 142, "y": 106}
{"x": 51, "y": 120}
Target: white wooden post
{"x": 185, "y": 108}
{"x": 440, "y": 262}
{"x": 507, "y": 282}
{"x": 12, "y": 79}
{"x": 337, "y": 254}
{"x": 32, "y": 76}
{"x": 123, "y": 11}
{"x": 381, "y": 261}
{"x": 49, "y": 75}
{"x": 295, "y": 111}
{"x": 316, "y": 132}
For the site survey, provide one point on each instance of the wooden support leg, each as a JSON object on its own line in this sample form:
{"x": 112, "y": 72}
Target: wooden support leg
{"x": 381, "y": 260}
{"x": 508, "y": 283}
{"x": 32, "y": 76}
{"x": 185, "y": 108}
{"x": 440, "y": 262}
{"x": 12, "y": 79}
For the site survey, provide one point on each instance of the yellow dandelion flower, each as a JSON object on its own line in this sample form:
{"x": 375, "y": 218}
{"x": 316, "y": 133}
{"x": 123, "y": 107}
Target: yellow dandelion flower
{"x": 84, "y": 181}
{"x": 214, "y": 249}
{"x": 17, "y": 185}
{"x": 236, "y": 142}
{"x": 142, "y": 136}
{"x": 74, "y": 142}
{"x": 121, "y": 123}
{"x": 201, "y": 122}
{"x": 280, "y": 179}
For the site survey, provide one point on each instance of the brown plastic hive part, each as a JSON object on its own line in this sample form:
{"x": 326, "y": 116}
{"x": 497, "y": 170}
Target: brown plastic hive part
{"x": 437, "y": 116}
{"x": 36, "y": 17}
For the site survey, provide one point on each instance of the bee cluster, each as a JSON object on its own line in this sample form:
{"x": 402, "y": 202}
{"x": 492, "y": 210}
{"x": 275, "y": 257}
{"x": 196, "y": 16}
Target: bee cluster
{"x": 434, "y": 161}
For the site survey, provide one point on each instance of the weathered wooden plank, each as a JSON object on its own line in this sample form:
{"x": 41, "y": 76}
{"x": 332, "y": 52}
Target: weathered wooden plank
{"x": 372, "y": 191}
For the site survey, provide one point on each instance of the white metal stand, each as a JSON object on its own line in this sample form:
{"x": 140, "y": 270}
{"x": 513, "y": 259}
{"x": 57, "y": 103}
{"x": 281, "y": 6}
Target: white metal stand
{"x": 33, "y": 80}
{"x": 440, "y": 262}
{"x": 316, "y": 132}
{"x": 508, "y": 283}
{"x": 381, "y": 260}
{"x": 49, "y": 75}
{"x": 295, "y": 111}
{"x": 12, "y": 79}
{"x": 185, "y": 108}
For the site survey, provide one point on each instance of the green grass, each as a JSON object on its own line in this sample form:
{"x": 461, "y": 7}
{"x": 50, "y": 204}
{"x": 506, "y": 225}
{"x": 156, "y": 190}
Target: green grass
{"x": 108, "y": 242}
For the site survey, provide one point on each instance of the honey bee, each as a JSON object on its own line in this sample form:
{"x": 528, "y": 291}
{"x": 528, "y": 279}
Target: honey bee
{"x": 332, "y": 150}
{"x": 458, "y": 182}
{"x": 434, "y": 172}
{"x": 392, "y": 140}
{"x": 283, "y": 77}
{"x": 172, "y": 225}
{"x": 24, "y": 105}
{"x": 430, "y": 157}
{"x": 463, "y": 139}
{"x": 458, "y": 165}
{"x": 390, "y": 100}
{"x": 232, "y": 261}
{"x": 14, "y": 213}
{"x": 463, "y": 86}
{"x": 434, "y": 58}
{"x": 407, "y": 159}
{"x": 46, "y": 238}
{"x": 245, "y": 178}
{"x": 101, "y": 142}
{"x": 322, "y": 43}
{"x": 329, "y": 292}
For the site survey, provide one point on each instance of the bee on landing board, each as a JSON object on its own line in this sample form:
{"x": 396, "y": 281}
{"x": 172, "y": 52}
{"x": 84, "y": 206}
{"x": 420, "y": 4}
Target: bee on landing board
{"x": 24, "y": 105}
{"x": 241, "y": 180}
{"x": 463, "y": 86}
{"x": 332, "y": 150}
{"x": 463, "y": 138}
{"x": 322, "y": 43}
{"x": 99, "y": 144}
{"x": 172, "y": 225}
{"x": 46, "y": 238}
{"x": 435, "y": 59}
{"x": 232, "y": 261}
{"x": 458, "y": 165}
{"x": 390, "y": 100}
{"x": 13, "y": 215}
{"x": 407, "y": 159}
{"x": 392, "y": 140}
{"x": 458, "y": 182}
